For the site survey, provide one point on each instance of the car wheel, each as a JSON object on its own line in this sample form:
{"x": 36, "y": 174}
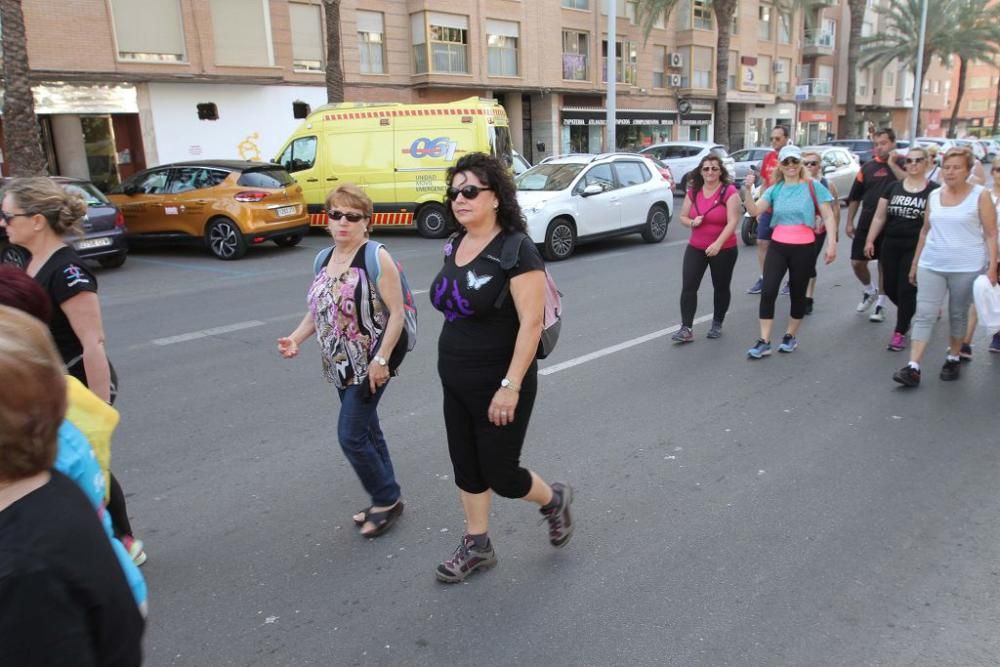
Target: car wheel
{"x": 748, "y": 230}
{"x": 225, "y": 240}
{"x": 113, "y": 261}
{"x": 657, "y": 221}
{"x": 432, "y": 223}
{"x": 560, "y": 240}
{"x": 684, "y": 185}
{"x": 14, "y": 255}
{"x": 288, "y": 241}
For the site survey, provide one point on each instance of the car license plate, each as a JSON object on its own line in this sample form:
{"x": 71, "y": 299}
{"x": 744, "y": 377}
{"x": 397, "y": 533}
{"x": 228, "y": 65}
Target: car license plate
{"x": 87, "y": 244}
{"x": 285, "y": 211}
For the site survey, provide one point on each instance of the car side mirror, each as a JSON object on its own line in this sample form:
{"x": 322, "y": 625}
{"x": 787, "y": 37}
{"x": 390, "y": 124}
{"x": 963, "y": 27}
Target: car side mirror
{"x": 593, "y": 189}
{"x": 755, "y": 168}
{"x": 130, "y": 190}
{"x": 827, "y": 169}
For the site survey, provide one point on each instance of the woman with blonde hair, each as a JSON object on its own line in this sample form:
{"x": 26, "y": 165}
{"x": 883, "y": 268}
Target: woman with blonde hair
{"x": 958, "y": 239}
{"x": 36, "y": 213}
{"x": 357, "y": 319}
{"x": 796, "y": 201}
{"x": 63, "y": 596}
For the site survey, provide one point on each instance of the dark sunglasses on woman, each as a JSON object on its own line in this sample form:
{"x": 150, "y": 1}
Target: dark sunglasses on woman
{"x": 351, "y": 217}
{"x": 914, "y": 160}
{"x": 810, "y": 163}
{"x": 469, "y": 191}
{"x": 710, "y": 168}
{"x": 788, "y": 161}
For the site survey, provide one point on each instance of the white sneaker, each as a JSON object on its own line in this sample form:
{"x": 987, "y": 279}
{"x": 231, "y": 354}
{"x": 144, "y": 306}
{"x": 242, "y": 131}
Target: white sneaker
{"x": 878, "y": 315}
{"x": 867, "y": 299}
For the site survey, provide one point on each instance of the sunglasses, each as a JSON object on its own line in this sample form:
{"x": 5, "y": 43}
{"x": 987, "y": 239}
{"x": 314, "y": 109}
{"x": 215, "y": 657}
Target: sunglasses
{"x": 810, "y": 163}
{"x": 996, "y": 170}
{"x": 351, "y": 217}
{"x": 710, "y": 169}
{"x": 790, "y": 161}
{"x": 914, "y": 160}
{"x": 469, "y": 191}
{"x": 7, "y": 217}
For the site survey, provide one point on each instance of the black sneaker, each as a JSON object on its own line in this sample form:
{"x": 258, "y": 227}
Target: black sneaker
{"x": 908, "y": 376}
{"x": 466, "y": 560}
{"x": 560, "y": 521}
{"x": 951, "y": 370}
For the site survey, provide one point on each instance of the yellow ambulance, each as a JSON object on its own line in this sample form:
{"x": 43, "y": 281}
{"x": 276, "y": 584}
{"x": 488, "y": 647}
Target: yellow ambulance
{"x": 398, "y": 153}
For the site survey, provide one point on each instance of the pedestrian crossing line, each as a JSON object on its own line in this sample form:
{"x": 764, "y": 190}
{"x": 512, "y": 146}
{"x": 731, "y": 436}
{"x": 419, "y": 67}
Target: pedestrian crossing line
{"x": 603, "y": 352}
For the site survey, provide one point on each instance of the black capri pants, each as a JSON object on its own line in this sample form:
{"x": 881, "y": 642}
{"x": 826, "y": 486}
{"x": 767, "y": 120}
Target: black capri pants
{"x": 485, "y": 456}
{"x": 799, "y": 260}
{"x": 694, "y": 265}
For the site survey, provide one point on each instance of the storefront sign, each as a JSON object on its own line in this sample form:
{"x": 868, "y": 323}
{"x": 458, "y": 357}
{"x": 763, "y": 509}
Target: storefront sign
{"x": 815, "y": 116}
{"x": 93, "y": 99}
{"x": 748, "y": 78}
{"x": 622, "y": 117}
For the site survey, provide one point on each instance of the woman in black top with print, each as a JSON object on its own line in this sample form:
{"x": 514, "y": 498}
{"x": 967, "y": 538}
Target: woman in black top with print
{"x": 898, "y": 219}
{"x": 486, "y": 358}
{"x": 36, "y": 213}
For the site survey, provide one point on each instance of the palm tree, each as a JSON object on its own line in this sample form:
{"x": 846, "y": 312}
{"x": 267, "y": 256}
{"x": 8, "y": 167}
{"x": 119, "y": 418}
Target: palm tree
{"x": 23, "y": 137}
{"x": 647, "y": 13}
{"x": 334, "y": 72}
{"x": 977, "y": 38}
{"x": 857, "y": 10}
{"x": 898, "y": 37}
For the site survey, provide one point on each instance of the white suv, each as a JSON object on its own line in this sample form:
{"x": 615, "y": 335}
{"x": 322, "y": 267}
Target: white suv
{"x": 572, "y": 199}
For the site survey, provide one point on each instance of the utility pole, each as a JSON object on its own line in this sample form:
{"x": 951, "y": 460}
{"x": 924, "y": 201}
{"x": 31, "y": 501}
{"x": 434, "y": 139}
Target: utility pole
{"x": 917, "y": 91}
{"x": 610, "y": 120}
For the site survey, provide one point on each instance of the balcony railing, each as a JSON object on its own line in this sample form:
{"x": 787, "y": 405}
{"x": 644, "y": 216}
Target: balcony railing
{"x": 818, "y": 43}
{"x": 819, "y": 89}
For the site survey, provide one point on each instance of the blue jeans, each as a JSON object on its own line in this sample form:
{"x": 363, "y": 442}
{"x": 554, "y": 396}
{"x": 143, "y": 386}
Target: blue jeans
{"x": 364, "y": 445}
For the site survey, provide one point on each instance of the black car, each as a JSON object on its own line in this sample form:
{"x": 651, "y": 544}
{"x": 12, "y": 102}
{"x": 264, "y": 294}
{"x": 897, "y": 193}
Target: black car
{"x": 103, "y": 237}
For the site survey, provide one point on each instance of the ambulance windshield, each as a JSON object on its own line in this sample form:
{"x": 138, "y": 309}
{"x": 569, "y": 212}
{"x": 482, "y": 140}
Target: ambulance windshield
{"x": 500, "y": 144}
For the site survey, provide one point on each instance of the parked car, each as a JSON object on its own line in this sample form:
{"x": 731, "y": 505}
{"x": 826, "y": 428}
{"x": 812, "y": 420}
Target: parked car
{"x": 103, "y": 233}
{"x": 573, "y": 199}
{"x": 227, "y": 204}
{"x": 862, "y": 148}
{"x": 520, "y": 164}
{"x": 840, "y": 167}
{"x": 683, "y": 157}
{"x": 992, "y": 148}
{"x": 744, "y": 159}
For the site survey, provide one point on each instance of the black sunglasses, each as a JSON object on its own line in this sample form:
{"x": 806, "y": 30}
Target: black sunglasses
{"x": 468, "y": 191}
{"x": 996, "y": 170}
{"x": 7, "y": 217}
{"x": 788, "y": 161}
{"x": 914, "y": 160}
{"x": 351, "y": 217}
{"x": 710, "y": 168}
{"x": 810, "y": 163}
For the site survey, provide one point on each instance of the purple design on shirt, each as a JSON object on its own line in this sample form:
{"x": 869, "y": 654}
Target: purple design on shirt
{"x": 75, "y": 276}
{"x": 448, "y": 249}
{"x": 454, "y": 306}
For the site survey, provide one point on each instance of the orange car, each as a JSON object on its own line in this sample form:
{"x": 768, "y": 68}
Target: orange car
{"x": 227, "y": 204}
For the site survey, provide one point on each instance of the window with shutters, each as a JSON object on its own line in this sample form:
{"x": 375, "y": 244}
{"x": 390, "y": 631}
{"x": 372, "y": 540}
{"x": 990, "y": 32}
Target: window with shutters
{"x": 149, "y": 30}
{"x": 242, "y": 32}
{"x": 575, "y": 53}
{"x": 307, "y": 37}
{"x": 371, "y": 42}
{"x": 501, "y": 47}
{"x": 440, "y": 43}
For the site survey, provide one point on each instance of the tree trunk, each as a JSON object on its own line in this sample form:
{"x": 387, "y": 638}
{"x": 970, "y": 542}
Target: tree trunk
{"x": 963, "y": 69}
{"x": 23, "y": 138}
{"x": 848, "y": 127}
{"x": 334, "y": 71}
{"x": 724, "y": 10}
{"x": 996, "y": 114}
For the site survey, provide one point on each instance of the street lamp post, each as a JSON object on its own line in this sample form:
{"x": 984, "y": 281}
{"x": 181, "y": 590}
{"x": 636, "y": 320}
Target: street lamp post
{"x": 915, "y": 120}
{"x": 612, "y": 51}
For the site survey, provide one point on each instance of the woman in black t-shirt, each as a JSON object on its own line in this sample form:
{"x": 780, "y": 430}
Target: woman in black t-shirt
{"x": 486, "y": 358}
{"x": 898, "y": 220}
{"x": 36, "y": 213}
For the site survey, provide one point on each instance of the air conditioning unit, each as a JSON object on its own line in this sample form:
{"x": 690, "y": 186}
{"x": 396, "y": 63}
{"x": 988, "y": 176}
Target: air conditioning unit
{"x": 675, "y": 80}
{"x": 676, "y": 60}
{"x": 779, "y": 67}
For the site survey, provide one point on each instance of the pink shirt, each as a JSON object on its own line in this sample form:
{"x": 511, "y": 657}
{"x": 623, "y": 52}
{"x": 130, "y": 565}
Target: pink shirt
{"x": 713, "y": 208}
{"x": 793, "y": 234}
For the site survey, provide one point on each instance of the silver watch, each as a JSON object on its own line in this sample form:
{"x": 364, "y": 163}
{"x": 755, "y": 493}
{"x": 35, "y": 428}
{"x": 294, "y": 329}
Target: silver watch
{"x": 380, "y": 360}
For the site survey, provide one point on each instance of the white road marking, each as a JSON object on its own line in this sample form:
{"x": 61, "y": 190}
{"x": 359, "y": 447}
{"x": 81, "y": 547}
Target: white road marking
{"x": 555, "y": 368}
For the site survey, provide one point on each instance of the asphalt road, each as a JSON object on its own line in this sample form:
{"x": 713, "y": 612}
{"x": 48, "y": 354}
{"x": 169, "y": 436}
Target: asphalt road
{"x": 799, "y": 510}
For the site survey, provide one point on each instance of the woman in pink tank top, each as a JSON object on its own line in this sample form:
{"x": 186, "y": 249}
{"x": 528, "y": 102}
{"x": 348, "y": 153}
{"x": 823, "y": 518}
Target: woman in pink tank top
{"x": 712, "y": 210}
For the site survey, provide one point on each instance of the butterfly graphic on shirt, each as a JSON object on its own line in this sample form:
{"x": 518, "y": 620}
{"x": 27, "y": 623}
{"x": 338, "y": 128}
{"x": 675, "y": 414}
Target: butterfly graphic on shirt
{"x": 476, "y": 282}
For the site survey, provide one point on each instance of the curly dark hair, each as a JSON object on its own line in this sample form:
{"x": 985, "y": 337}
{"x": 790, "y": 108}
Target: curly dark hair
{"x": 697, "y": 181}
{"x": 496, "y": 175}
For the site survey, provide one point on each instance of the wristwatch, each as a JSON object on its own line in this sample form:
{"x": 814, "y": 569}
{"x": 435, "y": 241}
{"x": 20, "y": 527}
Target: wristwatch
{"x": 380, "y": 360}
{"x": 507, "y": 384}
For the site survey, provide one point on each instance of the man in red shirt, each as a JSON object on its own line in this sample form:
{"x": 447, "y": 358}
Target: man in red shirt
{"x": 779, "y": 139}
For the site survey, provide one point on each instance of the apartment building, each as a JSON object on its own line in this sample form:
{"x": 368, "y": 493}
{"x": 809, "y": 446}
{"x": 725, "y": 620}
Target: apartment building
{"x": 978, "y": 108}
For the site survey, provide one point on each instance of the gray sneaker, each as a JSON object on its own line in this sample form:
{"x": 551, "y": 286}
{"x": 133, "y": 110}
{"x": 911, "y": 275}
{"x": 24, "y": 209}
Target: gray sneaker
{"x": 466, "y": 560}
{"x": 715, "y": 331}
{"x": 560, "y": 521}
{"x": 682, "y": 335}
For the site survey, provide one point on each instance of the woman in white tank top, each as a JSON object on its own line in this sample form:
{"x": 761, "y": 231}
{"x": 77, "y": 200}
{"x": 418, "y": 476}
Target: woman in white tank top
{"x": 958, "y": 240}
{"x": 994, "y": 192}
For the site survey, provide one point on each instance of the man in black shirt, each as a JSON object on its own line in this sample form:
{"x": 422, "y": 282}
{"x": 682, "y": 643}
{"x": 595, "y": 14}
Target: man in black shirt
{"x": 875, "y": 176}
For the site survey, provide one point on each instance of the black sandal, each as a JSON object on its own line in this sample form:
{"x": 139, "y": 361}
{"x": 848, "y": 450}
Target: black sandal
{"x": 364, "y": 516}
{"x": 383, "y": 520}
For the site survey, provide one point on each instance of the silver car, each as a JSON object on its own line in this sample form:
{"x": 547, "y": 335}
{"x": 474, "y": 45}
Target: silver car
{"x": 840, "y": 167}
{"x": 683, "y": 157}
{"x": 744, "y": 160}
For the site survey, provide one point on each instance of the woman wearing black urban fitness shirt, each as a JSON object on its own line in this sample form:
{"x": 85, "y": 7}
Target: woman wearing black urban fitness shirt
{"x": 486, "y": 358}
{"x": 898, "y": 219}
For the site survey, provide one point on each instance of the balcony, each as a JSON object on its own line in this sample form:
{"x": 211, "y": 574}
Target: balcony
{"x": 818, "y": 43}
{"x": 820, "y": 91}
{"x": 821, "y": 3}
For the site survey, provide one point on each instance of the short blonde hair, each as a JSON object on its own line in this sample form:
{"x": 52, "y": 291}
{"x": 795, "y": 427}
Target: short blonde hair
{"x": 960, "y": 152}
{"x": 32, "y": 396}
{"x": 352, "y": 196}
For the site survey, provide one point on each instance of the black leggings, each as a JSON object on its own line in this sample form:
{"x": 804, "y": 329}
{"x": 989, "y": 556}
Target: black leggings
{"x": 485, "y": 456}
{"x": 799, "y": 260}
{"x": 695, "y": 263}
{"x": 818, "y": 245}
{"x": 896, "y": 257}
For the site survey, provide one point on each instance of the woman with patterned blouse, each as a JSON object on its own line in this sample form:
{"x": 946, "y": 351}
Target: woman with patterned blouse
{"x": 358, "y": 324}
